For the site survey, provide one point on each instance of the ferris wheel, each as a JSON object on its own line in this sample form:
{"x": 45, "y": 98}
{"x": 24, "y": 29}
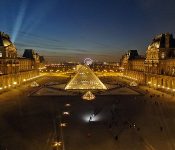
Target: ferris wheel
{"x": 88, "y": 61}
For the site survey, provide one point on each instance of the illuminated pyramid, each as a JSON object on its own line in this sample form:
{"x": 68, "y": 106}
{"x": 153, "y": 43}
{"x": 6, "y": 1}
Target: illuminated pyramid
{"x": 88, "y": 96}
{"x": 85, "y": 79}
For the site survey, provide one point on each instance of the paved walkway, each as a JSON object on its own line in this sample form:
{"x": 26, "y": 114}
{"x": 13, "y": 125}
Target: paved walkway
{"x": 150, "y": 90}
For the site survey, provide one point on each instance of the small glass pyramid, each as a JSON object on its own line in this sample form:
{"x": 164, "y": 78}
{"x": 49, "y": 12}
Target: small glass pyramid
{"x": 85, "y": 79}
{"x": 88, "y": 96}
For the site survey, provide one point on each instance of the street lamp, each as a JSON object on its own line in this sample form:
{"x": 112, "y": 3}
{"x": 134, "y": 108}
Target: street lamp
{"x": 56, "y": 144}
{"x": 66, "y": 113}
{"x": 67, "y": 105}
{"x": 63, "y": 124}
{"x": 14, "y": 83}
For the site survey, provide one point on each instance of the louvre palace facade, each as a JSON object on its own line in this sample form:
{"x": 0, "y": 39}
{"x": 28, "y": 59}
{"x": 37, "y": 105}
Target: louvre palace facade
{"x": 156, "y": 68}
{"x": 15, "y": 70}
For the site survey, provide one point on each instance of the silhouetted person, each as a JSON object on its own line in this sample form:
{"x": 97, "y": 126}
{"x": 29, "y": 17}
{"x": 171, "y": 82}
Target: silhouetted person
{"x": 90, "y": 118}
{"x": 116, "y": 137}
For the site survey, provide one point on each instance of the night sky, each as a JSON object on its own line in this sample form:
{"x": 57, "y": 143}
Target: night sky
{"x": 101, "y": 29}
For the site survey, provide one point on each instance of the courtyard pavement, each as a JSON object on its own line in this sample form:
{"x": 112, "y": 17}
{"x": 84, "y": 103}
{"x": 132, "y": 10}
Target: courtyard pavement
{"x": 110, "y": 122}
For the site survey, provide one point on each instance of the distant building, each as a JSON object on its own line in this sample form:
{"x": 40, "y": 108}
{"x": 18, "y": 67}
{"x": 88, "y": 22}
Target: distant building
{"x": 34, "y": 57}
{"x": 157, "y": 68}
{"x": 14, "y": 69}
{"x": 105, "y": 66}
{"x": 9, "y": 63}
{"x": 159, "y": 54}
{"x": 131, "y": 55}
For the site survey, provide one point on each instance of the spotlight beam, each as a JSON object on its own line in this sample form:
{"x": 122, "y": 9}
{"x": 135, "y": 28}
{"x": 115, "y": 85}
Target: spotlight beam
{"x": 19, "y": 20}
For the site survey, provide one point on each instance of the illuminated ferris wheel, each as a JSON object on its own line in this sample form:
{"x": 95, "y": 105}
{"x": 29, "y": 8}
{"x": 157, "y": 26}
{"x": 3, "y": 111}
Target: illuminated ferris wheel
{"x": 88, "y": 61}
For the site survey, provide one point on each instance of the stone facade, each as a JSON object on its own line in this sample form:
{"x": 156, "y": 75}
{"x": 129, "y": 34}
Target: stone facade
{"x": 157, "y": 69}
{"x": 15, "y": 70}
{"x": 132, "y": 65}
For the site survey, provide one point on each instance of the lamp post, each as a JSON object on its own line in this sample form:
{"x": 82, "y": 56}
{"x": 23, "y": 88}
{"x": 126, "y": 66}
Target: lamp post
{"x": 15, "y": 83}
{"x": 61, "y": 124}
{"x": 58, "y": 130}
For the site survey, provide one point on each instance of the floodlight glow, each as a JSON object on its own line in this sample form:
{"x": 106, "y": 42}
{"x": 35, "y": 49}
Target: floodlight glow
{"x": 91, "y": 117}
{"x": 55, "y": 144}
{"x": 14, "y": 83}
{"x": 63, "y": 124}
{"x": 67, "y": 105}
{"x": 66, "y": 113}
{"x": 19, "y": 20}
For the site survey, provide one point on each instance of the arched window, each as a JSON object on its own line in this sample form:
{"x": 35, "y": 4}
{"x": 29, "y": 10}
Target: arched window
{"x": 162, "y": 71}
{"x": 168, "y": 70}
{"x": 163, "y": 55}
{"x": 173, "y": 70}
{"x": 162, "y": 82}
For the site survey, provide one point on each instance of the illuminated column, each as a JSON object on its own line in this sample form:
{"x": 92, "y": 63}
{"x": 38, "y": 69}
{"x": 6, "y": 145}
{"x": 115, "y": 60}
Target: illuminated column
{"x": 172, "y": 83}
{"x": 159, "y": 82}
{"x": 156, "y": 80}
{"x": 1, "y": 81}
{"x": 166, "y": 84}
{"x": 163, "y": 82}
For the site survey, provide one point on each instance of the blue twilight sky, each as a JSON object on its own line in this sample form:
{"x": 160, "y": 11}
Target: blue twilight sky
{"x": 101, "y": 29}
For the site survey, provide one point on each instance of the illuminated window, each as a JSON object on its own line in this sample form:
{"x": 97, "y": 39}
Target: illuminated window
{"x": 173, "y": 71}
{"x": 163, "y": 55}
{"x": 0, "y": 54}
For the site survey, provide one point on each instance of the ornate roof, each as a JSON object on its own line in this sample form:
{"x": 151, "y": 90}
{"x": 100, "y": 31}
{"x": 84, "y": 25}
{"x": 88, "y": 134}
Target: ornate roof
{"x": 5, "y": 40}
{"x": 164, "y": 40}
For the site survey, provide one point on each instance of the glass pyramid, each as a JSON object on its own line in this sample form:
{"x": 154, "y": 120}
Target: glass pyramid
{"x": 88, "y": 96}
{"x": 85, "y": 79}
